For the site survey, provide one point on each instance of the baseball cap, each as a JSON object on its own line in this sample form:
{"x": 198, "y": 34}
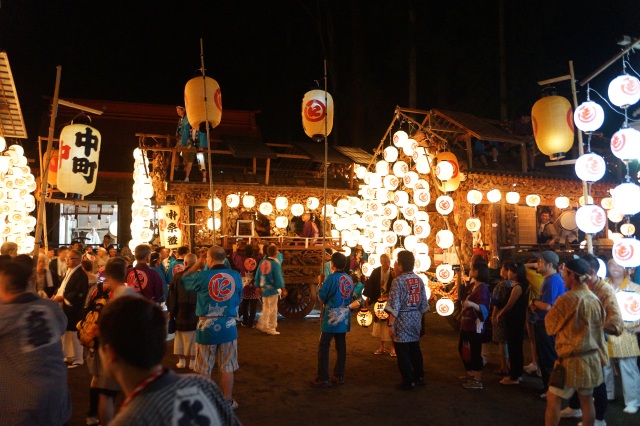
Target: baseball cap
{"x": 579, "y": 266}
{"x": 548, "y": 256}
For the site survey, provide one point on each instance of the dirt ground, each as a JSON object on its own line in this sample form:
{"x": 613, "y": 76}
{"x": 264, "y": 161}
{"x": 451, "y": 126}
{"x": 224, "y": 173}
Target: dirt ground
{"x": 273, "y": 387}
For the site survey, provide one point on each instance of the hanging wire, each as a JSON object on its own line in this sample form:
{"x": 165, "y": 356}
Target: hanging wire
{"x": 632, "y": 69}
{"x": 613, "y": 108}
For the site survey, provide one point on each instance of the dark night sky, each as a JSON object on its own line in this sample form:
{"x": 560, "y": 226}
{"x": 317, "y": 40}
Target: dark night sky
{"x": 266, "y": 54}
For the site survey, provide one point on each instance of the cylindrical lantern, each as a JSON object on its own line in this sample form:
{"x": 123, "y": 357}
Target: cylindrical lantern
{"x": 494, "y": 195}
{"x": 533, "y": 200}
{"x": 399, "y": 138}
{"x": 624, "y": 90}
{"x": 444, "y": 239}
{"x": 78, "y": 161}
{"x": 169, "y": 226}
{"x": 591, "y": 219}
{"x": 590, "y": 167}
{"x": 444, "y": 204}
{"x": 473, "y": 224}
{"x": 552, "y": 121}
{"x": 562, "y": 202}
{"x": 317, "y": 113}
{"x": 444, "y": 170}
{"x": 52, "y": 177}
{"x": 203, "y": 101}
{"x": 512, "y": 197}
{"x": 474, "y": 196}
{"x": 379, "y": 310}
{"x": 626, "y": 198}
{"x": 365, "y": 318}
{"x": 626, "y": 252}
{"x": 589, "y": 116}
{"x": 445, "y": 307}
{"x": 625, "y": 143}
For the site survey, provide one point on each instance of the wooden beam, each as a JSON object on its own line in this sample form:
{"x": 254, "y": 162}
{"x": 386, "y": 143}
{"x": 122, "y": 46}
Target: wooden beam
{"x": 266, "y": 176}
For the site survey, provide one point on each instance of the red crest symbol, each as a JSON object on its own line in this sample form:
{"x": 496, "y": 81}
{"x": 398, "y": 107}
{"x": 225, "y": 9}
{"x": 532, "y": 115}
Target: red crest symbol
{"x": 630, "y": 86}
{"x": 624, "y": 251}
{"x": 217, "y": 98}
{"x": 443, "y": 308}
{"x": 250, "y": 264}
{"x": 632, "y": 305}
{"x": 444, "y": 274}
{"x": 137, "y": 283}
{"x": 594, "y": 165}
{"x": 314, "y": 110}
{"x": 345, "y": 284}
{"x": 586, "y": 114}
{"x": 617, "y": 142}
{"x": 445, "y": 205}
{"x": 597, "y": 217}
{"x": 221, "y": 287}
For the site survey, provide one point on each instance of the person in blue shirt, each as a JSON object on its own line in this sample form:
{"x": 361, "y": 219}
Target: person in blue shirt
{"x": 176, "y": 264}
{"x": 552, "y": 288}
{"x": 188, "y": 137}
{"x": 270, "y": 282}
{"x": 219, "y": 291}
{"x": 155, "y": 264}
{"x": 336, "y": 295}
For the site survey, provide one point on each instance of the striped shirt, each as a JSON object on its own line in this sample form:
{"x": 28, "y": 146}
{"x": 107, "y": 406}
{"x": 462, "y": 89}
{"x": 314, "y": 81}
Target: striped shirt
{"x": 625, "y": 345}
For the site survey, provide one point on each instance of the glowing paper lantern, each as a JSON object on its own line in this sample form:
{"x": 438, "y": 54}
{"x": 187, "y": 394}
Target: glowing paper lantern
{"x": 444, "y": 307}
{"x": 607, "y": 203}
{"x": 589, "y": 116}
{"x": 78, "y": 161}
{"x": 297, "y": 209}
{"x": 421, "y": 229}
{"x": 317, "y": 113}
{"x": 203, "y": 101}
{"x": 389, "y": 238}
{"x": 626, "y": 252}
{"x": 591, "y": 219}
{"x": 249, "y": 201}
{"x": 582, "y": 202}
{"x": 364, "y": 318}
{"x": 552, "y": 121}
{"x": 52, "y": 177}
{"x": 533, "y": 200}
{"x": 409, "y": 211}
{"x": 444, "y": 170}
{"x": 473, "y": 224}
{"x": 233, "y": 200}
{"x": 512, "y": 197}
{"x": 382, "y": 168}
{"x": 421, "y": 197}
{"x": 629, "y": 303}
{"x": 562, "y": 202}
{"x": 454, "y": 182}
{"x": 410, "y": 242}
{"x": 401, "y": 227}
{"x": 444, "y": 204}
{"x": 399, "y": 138}
{"x": 590, "y": 167}
{"x": 401, "y": 198}
{"x": 282, "y": 222}
{"x": 626, "y": 198}
{"x": 627, "y": 229}
{"x": 624, "y": 90}
{"x": 410, "y": 179}
{"x": 382, "y": 195}
{"x": 444, "y": 239}
{"x": 625, "y": 143}
{"x": 390, "y": 211}
{"x": 391, "y": 182}
{"x": 216, "y": 205}
{"x": 312, "y": 203}
{"x": 474, "y": 196}
{"x": 282, "y": 203}
{"x": 400, "y": 168}
{"x": 444, "y": 273}
{"x": 494, "y": 196}
{"x": 422, "y": 164}
{"x": 266, "y": 208}
{"x": 409, "y": 147}
{"x": 378, "y": 308}
{"x": 169, "y": 226}
{"x": 614, "y": 215}
{"x": 390, "y": 154}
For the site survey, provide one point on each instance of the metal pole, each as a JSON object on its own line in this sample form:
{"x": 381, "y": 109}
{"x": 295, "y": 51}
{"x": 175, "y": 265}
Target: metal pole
{"x": 326, "y": 166}
{"x": 45, "y": 176}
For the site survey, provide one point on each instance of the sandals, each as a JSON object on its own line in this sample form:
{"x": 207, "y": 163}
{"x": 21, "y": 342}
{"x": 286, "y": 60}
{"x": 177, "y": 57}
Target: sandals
{"x": 380, "y": 351}
{"x": 393, "y": 354}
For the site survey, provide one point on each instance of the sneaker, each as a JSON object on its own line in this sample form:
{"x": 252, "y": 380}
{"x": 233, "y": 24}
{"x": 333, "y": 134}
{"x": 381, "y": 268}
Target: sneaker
{"x": 531, "y": 368}
{"x": 508, "y": 381}
{"x": 570, "y": 412}
{"x": 93, "y": 421}
{"x": 321, "y": 383}
{"x": 337, "y": 380}
{"x": 233, "y": 404}
{"x": 472, "y": 384}
{"x": 630, "y": 409}
{"x": 181, "y": 363}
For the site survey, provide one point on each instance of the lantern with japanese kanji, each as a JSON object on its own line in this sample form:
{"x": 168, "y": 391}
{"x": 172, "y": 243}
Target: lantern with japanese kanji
{"x": 78, "y": 159}
{"x": 317, "y": 113}
{"x": 378, "y": 308}
{"x": 552, "y": 121}
{"x": 52, "y": 176}
{"x": 203, "y": 101}
{"x": 364, "y": 317}
{"x": 169, "y": 226}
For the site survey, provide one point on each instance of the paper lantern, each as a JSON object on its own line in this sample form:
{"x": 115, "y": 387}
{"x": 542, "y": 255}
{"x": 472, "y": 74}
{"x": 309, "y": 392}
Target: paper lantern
{"x": 378, "y": 308}
{"x": 382, "y": 195}
{"x": 421, "y": 184}
{"x": 423, "y": 263}
{"x": 626, "y": 198}
{"x": 409, "y": 147}
{"x": 410, "y": 179}
{"x": 512, "y": 197}
{"x": 360, "y": 172}
{"x": 233, "y": 200}
{"x": 3, "y": 144}
{"x": 624, "y": 90}
{"x": 562, "y": 202}
{"x": 444, "y": 239}
{"x": 216, "y": 205}
{"x": 423, "y": 164}
{"x": 410, "y": 242}
{"x": 391, "y": 182}
{"x": 552, "y": 121}
{"x": 474, "y": 196}
{"x": 364, "y": 317}
{"x": 589, "y": 116}
{"x": 297, "y": 209}
{"x": 52, "y": 177}
{"x": 444, "y": 273}
{"x": 590, "y": 167}
{"x": 421, "y": 197}
{"x": 533, "y": 200}
{"x": 317, "y": 113}
{"x": 409, "y": 211}
{"x": 391, "y": 211}
{"x": 5, "y": 165}
{"x": 382, "y": 168}
{"x": 374, "y": 180}
{"x": 626, "y": 252}
{"x": 169, "y": 226}
{"x": 312, "y": 203}
{"x": 421, "y": 229}
{"x": 390, "y": 154}
{"x": 607, "y": 203}
{"x": 473, "y": 224}
{"x": 627, "y": 229}
{"x": 582, "y": 201}
{"x": 401, "y": 227}
{"x": 494, "y": 196}
{"x": 422, "y": 216}
{"x": 444, "y": 170}
{"x": 375, "y": 207}
{"x": 330, "y": 210}
{"x": 282, "y": 222}
{"x": 203, "y": 101}
{"x": 249, "y": 201}
{"x": 400, "y": 168}
{"x": 366, "y": 269}
{"x": 625, "y": 143}
{"x": 401, "y": 198}
{"x": 629, "y": 304}
{"x": 282, "y": 203}
{"x": 614, "y": 215}
{"x": 78, "y": 160}
{"x": 591, "y": 219}
{"x": 444, "y": 204}
{"x": 454, "y": 181}
{"x": 389, "y": 238}
{"x": 445, "y": 307}
{"x": 399, "y": 138}
{"x": 266, "y": 208}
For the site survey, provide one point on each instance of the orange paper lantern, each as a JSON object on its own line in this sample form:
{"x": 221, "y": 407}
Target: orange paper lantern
{"x": 203, "y": 101}
{"x": 552, "y": 121}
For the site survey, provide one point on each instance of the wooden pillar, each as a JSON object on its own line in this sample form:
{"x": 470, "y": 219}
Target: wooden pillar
{"x": 469, "y": 152}
{"x": 266, "y": 177}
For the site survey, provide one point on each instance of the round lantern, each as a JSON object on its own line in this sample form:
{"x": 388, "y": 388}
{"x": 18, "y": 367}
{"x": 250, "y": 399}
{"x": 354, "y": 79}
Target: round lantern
{"x": 401, "y": 198}
{"x": 382, "y": 195}
{"x": 553, "y": 126}
{"x": 233, "y": 200}
{"x": 590, "y": 167}
{"x": 3, "y": 144}
{"x": 626, "y": 252}
{"x": 409, "y": 211}
{"x": 266, "y": 208}
{"x": 391, "y": 182}
{"x": 378, "y": 308}
{"x": 582, "y": 202}
{"x": 625, "y": 143}
{"x": 409, "y": 147}
{"x": 626, "y": 198}
{"x": 624, "y": 90}
{"x": 474, "y": 196}
{"x": 399, "y": 138}
{"x": 444, "y": 170}
{"x": 494, "y": 196}
{"x": 422, "y": 184}
{"x": 533, "y": 200}
{"x": 614, "y": 215}
{"x": 313, "y": 203}
{"x": 203, "y": 101}
{"x": 360, "y": 172}
{"x": 282, "y": 222}
{"x": 390, "y": 154}
{"x": 364, "y": 317}
{"x": 473, "y": 224}
{"x": 421, "y": 229}
{"x": 512, "y": 197}
{"x": 400, "y": 168}
{"x": 444, "y": 204}
{"x": 382, "y": 168}
{"x": 562, "y": 202}
{"x": 627, "y": 229}
{"x": 401, "y": 227}
{"x": 389, "y": 238}
{"x": 410, "y": 242}
{"x": 216, "y": 205}
{"x": 422, "y": 164}
{"x": 78, "y": 168}
{"x": 213, "y": 224}
{"x": 410, "y": 179}
{"x": 629, "y": 304}
{"x": 589, "y": 116}
{"x": 390, "y": 211}
{"x": 444, "y": 239}
{"x": 444, "y": 273}
{"x": 444, "y": 307}
{"x": 249, "y": 201}
{"x": 317, "y": 113}
{"x": 330, "y": 210}
{"x": 607, "y": 203}
{"x": 453, "y": 182}
{"x": 282, "y": 203}
{"x": 591, "y": 219}
{"x": 297, "y": 209}
{"x": 421, "y": 197}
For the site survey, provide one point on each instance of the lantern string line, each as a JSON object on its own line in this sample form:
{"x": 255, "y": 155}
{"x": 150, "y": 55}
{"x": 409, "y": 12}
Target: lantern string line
{"x": 611, "y": 107}
{"x": 632, "y": 69}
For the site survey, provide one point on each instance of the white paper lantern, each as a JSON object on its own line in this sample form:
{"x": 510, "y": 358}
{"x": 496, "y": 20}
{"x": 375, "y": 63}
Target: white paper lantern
{"x": 614, "y": 215}
{"x": 266, "y": 208}
{"x": 400, "y": 168}
{"x": 382, "y": 195}
{"x": 533, "y": 200}
{"x": 373, "y": 179}
{"x": 282, "y": 222}
{"x": 591, "y": 219}
{"x": 390, "y": 211}
{"x": 590, "y": 167}
{"x": 444, "y": 204}
{"x": 629, "y": 304}
{"x": 233, "y": 200}
{"x": 423, "y": 164}
{"x": 409, "y": 147}
{"x": 421, "y": 197}
{"x": 444, "y": 239}
{"x": 624, "y": 90}
{"x": 390, "y": 154}
{"x": 399, "y": 138}
{"x": 562, "y": 202}
{"x": 410, "y": 242}
{"x": 249, "y": 201}
{"x": 422, "y": 184}
{"x": 607, "y": 203}
{"x": 401, "y": 198}
{"x": 391, "y": 182}
{"x": 444, "y": 273}
{"x": 473, "y": 224}
{"x": 445, "y": 307}
{"x": 494, "y": 196}
{"x": 444, "y": 170}
{"x": 401, "y": 227}
{"x": 330, "y": 210}
{"x": 409, "y": 211}
{"x": 582, "y": 202}
{"x": 625, "y": 144}
{"x": 360, "y": 172}
{"x": 312, "y": 203}
{"x": 626, "y": 198}
{"x": 216, "y": 205}
{"x": 421, "y": 229}
{"x": 627, "y": 229}
{"x": 382, "y": 168}
{"x": 78, "y": 167}
{"x": 474, "y": 196}
{"x": 589, "y": 116}
{"x": 410, "y": 179}
{"x": 626, "y": 252}
{"x": 423, "y": 263}
{"x": 282, "y": 203}
{"x": 512, "y": 197}
{"x": 389, "y": 238}
{"x": 297, "y": 209}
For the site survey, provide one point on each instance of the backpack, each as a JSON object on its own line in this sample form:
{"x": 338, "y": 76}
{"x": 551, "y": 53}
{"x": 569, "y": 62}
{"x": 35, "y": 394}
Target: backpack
{"x": 88, "y": 326}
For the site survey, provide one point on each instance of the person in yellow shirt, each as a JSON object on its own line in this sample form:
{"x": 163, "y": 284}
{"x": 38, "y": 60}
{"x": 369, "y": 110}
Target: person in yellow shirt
{"x": 535, "y": 279}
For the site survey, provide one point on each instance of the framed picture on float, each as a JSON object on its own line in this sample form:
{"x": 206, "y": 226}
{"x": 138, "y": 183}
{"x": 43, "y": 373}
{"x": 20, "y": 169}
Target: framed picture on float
{"x": 244, "y": 228}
